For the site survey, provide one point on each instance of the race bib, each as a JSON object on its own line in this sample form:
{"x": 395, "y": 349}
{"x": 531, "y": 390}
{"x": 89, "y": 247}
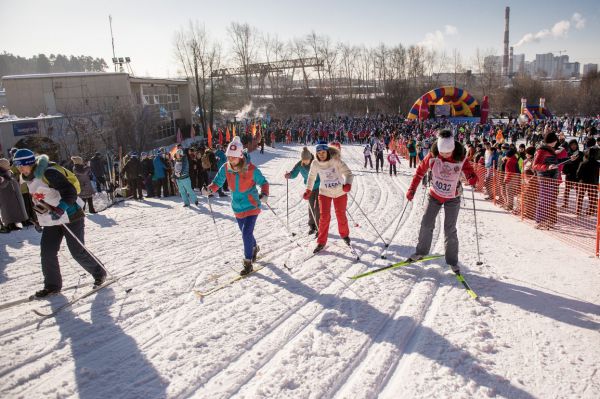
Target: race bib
{"x": 330, "y": 178}
{"x": 445, "y": 176}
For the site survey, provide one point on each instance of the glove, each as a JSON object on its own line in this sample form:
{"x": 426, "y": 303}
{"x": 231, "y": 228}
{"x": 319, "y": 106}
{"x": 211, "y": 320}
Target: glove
{"x": 287, "y": 175}
{"x": 346, "y": 187}
{"x": 264, "y": 198}
{"x": 307, "y": 194}
{"x": 205, "y": 191}
{"x": 56, "y": 213}
{"x": 410, "y": 194}
{"x": 473, "y": 180}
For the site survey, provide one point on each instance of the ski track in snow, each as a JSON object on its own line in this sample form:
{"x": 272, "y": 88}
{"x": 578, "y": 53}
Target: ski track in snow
{"x": 310, "y": 332}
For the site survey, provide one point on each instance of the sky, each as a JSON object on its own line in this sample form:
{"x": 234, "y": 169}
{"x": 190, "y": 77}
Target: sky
{"x": 144, "y": 31}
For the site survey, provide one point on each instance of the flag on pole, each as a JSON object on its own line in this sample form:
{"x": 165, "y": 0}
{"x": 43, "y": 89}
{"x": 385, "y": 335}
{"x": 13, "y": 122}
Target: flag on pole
{"x": 179, "y": 137}
{"x": 192, "y": 132}
{"x": 253, "y": 129}
{"x": 220, "y": 136}
{"x": 227, "y": 138}
{"x": 209, "y": 132}
{"x": 234, "y": 130}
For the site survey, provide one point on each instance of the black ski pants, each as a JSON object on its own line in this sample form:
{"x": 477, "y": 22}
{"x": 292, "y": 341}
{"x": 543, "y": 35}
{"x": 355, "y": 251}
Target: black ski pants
{"x": 52, "y": 237}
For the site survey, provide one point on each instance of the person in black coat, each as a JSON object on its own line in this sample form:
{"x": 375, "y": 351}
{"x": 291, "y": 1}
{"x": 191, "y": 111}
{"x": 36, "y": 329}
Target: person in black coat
{"x": 98, "y": 166}
{"x": 587, "y": 174}
{"x": 147, "y": 172}
{"x": 570, "y": 169}
{"x": 132, "y": 171}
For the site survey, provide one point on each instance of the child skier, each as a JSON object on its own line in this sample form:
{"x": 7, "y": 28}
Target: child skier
{"x": 393, "y": 158}
{"x": 302, "y": 167}
{"x": 446, "y": 161}
{"x": 242, "y": 178}
{"x": 335, "y": 181}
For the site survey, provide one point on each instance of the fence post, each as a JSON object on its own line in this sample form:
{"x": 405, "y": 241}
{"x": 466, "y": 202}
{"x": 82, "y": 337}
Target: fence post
{"x": 494, "y": 182}
{"x": 598, "y": 224}
{"x": 522, "y": 195}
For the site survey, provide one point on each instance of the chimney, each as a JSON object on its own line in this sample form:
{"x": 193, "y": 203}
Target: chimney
{"x": 511, "y": 69}
{"x": 505, "y": 70}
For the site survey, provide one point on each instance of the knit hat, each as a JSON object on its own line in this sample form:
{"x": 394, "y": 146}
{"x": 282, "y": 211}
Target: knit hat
{"x": 24, "y": 157}
{"x": 322, "y": 146}
{"x": 550, "y": 137}
{"x": 77, "y": 160}
{"x": 4, "y": 164}
{"x": 234, "y": 149}
{"x": 445, "y": 141}
{"x": 306, "y": 155}
{"x": 179, "y": 152}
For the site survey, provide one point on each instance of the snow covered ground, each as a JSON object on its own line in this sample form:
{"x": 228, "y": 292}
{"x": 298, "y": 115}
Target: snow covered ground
{"x": 310, "y": 332}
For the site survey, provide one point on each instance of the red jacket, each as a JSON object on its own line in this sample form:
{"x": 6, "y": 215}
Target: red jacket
{"x": 544, "y": 157}
{"x": 511, "y": 168}
{"x": 423, "y": 167}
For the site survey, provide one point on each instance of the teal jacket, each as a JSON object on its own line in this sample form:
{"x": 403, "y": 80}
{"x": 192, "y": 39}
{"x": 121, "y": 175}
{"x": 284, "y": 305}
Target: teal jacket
{"x": 303, "y": 170}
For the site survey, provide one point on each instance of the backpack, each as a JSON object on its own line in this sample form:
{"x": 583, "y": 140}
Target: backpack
{"x": 68, "y": 174}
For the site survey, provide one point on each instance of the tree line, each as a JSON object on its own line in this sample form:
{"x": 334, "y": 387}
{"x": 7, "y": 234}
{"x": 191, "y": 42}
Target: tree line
{"x": 41, "y": 63}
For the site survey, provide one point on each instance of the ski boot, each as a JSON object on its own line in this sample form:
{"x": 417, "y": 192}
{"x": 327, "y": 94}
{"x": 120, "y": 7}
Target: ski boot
{"x": 247, "y": 267}
{"x": 45, "y": 293}
{"x": 255, "y": 251}
{"x": 455, "y": 269}
{"x": 318, "y": 248}
{"x": 346, "y": 240}
{"x": 98, "y": 281}
{"x": 414, "y": 257}
{"x": 312, "y": 230}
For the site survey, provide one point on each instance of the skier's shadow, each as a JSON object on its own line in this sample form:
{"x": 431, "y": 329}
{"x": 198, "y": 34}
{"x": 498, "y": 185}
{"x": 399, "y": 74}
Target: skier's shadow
{"x": 108, "y": 362}
{"x": 102, "y": 220}
{"x": 567, "y": 310}
{"x": 358, "y": 314}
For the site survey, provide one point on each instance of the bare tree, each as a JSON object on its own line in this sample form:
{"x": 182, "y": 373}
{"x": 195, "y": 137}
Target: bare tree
{"x": 243, "y": 39}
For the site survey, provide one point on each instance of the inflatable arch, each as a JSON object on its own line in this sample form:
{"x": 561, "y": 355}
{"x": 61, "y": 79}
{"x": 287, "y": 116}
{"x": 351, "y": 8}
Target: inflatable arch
{"x": 460, "y": 101}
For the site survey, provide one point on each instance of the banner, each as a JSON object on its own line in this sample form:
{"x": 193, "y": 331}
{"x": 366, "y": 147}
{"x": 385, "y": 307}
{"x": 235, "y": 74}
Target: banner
{"x": 25, "y": 128}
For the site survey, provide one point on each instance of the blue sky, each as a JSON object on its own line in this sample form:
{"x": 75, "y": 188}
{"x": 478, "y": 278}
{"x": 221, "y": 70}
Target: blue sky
{"x": 144, "y": 30}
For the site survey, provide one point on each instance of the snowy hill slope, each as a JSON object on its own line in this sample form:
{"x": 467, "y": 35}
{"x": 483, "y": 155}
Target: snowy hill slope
{"x": 310, "y": 332}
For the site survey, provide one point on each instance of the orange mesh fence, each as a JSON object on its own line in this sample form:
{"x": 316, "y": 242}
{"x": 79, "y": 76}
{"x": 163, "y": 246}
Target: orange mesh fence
{"x": 566, "y": 210}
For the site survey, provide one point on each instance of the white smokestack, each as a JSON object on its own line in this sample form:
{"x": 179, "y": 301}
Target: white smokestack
{"x": 505, "y": 70}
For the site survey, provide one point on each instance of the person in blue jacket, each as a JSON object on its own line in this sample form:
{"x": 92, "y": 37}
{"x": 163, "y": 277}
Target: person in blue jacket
{"x": 303, "y": 167}
{"x": 243, "y": 177}
{"x": 159, "y": 178}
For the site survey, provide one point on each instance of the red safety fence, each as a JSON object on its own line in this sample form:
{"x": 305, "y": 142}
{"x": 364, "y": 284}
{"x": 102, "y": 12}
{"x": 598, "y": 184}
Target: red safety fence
{"x": 566, "y": 210}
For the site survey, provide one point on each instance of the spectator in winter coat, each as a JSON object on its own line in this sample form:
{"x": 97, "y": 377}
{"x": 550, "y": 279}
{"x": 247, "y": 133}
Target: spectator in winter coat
{"x": 303, "y": 167}
{"x": 335, "y": 182}
{"x": 132, "y": 172}
{"x": 221, "y": 159}
{"x": 512, "y": 178}
{"x": 546, "y": 168}
{"x": 587, "y": 174}
{"x": 447, "y": 160}
{"x": 159, "y": 178}
{"x": 490, "y": 161}
{"x": 243, "y": 178}
{"x": 83, "y": 173}
{"x": 60, "y": 214}
{"x": 570, "y": 169}
{"x": 98, "y": 167}
{"x": 412, "y": 153}
{"x": 147, "y": 172}
{"x": 12, "y": 206}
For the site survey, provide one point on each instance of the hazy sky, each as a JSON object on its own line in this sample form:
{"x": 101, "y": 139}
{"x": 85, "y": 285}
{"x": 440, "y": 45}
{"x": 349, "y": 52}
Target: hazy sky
{"x": 144, "y": 30}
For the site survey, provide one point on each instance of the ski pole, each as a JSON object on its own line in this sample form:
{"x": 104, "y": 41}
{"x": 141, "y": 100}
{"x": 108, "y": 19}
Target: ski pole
{"x": 366, "y": 217}
{"x": 287, "y": 202}
{"x": 313, "y": 216}
{"x": 280, "y": 220}
{"x": 86, "y": 249}
{"x": 212, "y": 214}
{"x": 479, "y": 262}
{"x": 384, "y": 254}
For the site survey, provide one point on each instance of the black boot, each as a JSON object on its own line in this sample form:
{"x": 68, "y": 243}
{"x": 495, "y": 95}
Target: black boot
{"x": 247, "y": 268}
{"x": 45, "y": 293}
{"x": 312, "y": 230}
{"x": 98, "y": 281}
{"x": 346, "y": 240}
{"x": 318, "y": 248}
{"x": 255, "y": 251}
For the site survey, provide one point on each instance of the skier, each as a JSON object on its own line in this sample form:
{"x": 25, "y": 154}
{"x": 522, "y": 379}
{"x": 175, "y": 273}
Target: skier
{"x": 243, "y": 177}
{"x": 447, "y": 161}
{"x": 367, "y": 154}
{"x": 182, "y": 178}
{"x": 379, "y": 148}
{"x": 393, "y": 158}
{"x": 54, "y": 192}
{"x": 335, "y": 181}
{"x": 303, "y": 167}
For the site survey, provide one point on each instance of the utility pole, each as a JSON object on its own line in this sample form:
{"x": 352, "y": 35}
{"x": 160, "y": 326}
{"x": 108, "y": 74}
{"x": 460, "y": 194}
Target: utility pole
{"x": 112, "y": 38}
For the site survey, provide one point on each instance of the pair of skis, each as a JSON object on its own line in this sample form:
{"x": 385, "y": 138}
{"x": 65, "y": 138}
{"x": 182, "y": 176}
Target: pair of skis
{"x": 459, "y": 277}
{"x": 71, "y": 302}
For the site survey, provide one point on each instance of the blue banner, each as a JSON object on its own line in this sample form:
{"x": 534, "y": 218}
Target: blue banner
{"x": 25, "y": 128}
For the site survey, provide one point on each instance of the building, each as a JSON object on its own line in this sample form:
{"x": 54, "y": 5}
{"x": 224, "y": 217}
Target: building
{"x": 93, "y": 99}
{"x": 518, "y": 64}
{"x": 590, "y": 68}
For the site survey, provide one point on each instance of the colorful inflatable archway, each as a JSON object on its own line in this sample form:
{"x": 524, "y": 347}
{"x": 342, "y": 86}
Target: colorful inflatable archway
{"x": 460, "y": 101}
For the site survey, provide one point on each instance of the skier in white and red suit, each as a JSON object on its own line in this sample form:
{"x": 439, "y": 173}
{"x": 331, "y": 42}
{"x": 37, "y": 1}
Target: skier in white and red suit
{"x": 447, "y": 161}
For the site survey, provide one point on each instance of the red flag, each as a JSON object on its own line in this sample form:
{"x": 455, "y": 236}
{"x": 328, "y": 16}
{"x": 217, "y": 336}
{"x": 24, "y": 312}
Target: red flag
{"x": 220, "y": 136}
{"x": 192, "y": 132}
{"x": 485, "y": 109}
{"x": 424, "y": 108}
{"x": 179, "y": 138}
{"x": 253, "y": 130}
{"x": 227, "y": 138}
{"x": 209, "y": 132}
